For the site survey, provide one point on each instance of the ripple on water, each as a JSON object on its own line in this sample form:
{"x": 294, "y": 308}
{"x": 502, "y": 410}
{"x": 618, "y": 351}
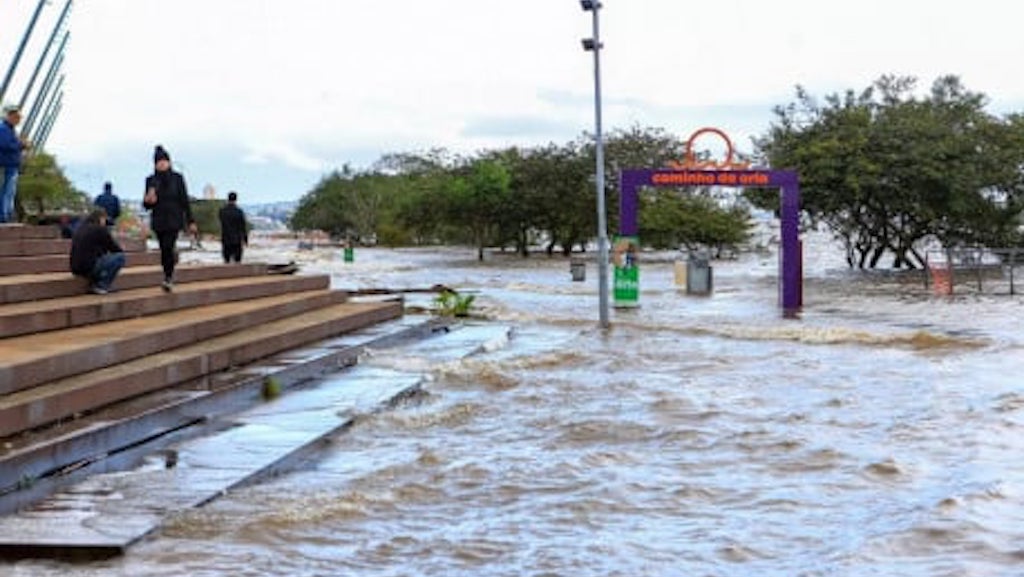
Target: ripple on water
{"x": 887, "y": 470}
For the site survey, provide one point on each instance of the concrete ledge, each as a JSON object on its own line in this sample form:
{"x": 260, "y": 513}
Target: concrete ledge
{"x": 30, "y": 287}
{"x": 56, "y": 246}
{"x": 35, "y": 247}
{"x": 66, "y": 397}
{"x": 20, "y": 265}
{"x": 30, "y": 360}
{"x": 18, "y": 231}
{"x": 107, "y": 439}
{"x": 67, "y": 312}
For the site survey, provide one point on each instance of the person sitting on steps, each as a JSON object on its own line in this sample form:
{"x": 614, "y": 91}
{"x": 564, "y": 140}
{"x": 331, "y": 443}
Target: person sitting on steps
{"x": 95, "y": 254}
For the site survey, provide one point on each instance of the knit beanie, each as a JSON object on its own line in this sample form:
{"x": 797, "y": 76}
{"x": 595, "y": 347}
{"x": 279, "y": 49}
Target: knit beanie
{"x": 160, "y": 154}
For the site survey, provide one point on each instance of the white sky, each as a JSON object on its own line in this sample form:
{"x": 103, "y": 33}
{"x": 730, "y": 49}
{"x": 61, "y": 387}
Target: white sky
{"x": 266, "y": 96}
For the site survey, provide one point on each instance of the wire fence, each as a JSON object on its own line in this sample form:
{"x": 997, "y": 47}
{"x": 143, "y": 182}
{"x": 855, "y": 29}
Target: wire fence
{"x": 973, "y": 269}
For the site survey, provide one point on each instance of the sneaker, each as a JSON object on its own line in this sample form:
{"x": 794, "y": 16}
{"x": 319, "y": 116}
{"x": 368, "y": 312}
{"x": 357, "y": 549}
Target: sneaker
{"x": 98, "y": 290}
{"x": 167, "y": 285}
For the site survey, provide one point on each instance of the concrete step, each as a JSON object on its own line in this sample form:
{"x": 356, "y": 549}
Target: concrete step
{"x": 57, "y": 246}
{"x": 18, "y": 231}
{"x": 21, "y": 265}
{"x": 30, "y": 287}
{"x": 193, "y": 357}
{"x": 36, "y": 463}
{"x": 29, "y": 360}
{"x": 67, "y": 312}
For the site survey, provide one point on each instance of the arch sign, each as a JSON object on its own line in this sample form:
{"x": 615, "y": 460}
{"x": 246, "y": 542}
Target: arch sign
{"x": 691, "y": 172}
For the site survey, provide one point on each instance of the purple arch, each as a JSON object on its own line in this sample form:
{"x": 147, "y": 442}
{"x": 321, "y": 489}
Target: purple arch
{"x": 790, "y": 261}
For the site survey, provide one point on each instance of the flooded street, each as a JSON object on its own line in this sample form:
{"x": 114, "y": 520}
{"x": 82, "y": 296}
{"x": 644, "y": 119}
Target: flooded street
{"x": 881, "y": 433}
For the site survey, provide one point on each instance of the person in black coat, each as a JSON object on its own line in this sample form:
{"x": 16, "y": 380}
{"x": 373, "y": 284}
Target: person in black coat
{"x": 234, "y": 232}
{"x": 167, "y": 200}
{"x": 95, "y": 254}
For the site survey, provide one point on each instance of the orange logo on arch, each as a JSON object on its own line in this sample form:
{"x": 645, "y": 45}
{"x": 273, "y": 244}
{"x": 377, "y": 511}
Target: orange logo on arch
{"x": 690, "y": 161}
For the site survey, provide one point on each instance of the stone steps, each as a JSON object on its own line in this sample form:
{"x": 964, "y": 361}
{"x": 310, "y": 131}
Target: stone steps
{"x": 40, "y": 249}
{"x": 66, "y": 355}
{"x": 253, "y": 337}
{"x": 29, "y": 360}
{"x": 30, "y": 287}
{"x": 66, "y": 312}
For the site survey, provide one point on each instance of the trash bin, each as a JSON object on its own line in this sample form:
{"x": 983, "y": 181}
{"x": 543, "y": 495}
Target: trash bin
{"x": 679, "y": 270}
{"x": 698, "y": 276}
{"x": 578, "y": 269}
{"x": 350, "y": 254}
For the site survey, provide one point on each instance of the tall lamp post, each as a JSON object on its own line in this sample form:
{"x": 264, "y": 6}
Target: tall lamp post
{"x": 593, "y": 44}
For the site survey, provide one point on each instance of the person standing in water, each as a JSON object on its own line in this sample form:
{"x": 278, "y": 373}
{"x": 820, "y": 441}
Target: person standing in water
{"x": 167, "y": 200}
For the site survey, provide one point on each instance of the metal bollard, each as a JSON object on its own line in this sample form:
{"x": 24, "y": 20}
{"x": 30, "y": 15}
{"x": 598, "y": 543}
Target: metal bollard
{"x": 698, "y": 276}
{"x": 578, "y": 269}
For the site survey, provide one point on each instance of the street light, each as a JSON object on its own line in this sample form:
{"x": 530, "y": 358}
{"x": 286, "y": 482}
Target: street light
{"x": 593, "y": 44}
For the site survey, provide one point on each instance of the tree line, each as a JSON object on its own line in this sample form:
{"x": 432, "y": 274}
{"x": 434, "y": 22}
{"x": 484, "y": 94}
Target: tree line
{"x": 885, "y": 169}
{"x": 515, "y": 198}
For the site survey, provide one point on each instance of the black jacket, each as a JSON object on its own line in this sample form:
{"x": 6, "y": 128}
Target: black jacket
{"x": 232, "y": 225}
{"x": 171, "y": 211}
{"x": 90, "y": 242}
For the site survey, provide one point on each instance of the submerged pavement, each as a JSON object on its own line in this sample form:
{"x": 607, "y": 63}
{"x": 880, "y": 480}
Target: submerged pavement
{"x": 102, "y": 515}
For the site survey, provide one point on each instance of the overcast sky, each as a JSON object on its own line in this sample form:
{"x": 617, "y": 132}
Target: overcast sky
{"x": 266, "y": 96}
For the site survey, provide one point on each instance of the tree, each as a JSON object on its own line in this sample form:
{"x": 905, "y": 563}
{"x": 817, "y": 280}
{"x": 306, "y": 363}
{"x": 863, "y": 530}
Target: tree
{"x": 670, "y": 218}
{"x": 884, "y": 169}
{"x": 43, "y": 189}
{"x": 326, "y": 207}
{"x": 475, "y": 199}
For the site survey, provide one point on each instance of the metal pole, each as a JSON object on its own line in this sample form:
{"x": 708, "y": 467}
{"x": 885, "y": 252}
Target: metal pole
{"x": 46, "y": 52}
{"x": 57, "y": 97}
{"x": 602, "y": 219}
{"x": 49, "y": 123}
{"x": 44, "y": 92}
{"x": 21, "y": 49}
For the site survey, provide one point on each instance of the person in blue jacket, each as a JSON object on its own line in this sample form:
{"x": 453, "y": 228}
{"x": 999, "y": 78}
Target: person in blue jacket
{"x": 11, "y": 150}
{"x": 109, "y": 202}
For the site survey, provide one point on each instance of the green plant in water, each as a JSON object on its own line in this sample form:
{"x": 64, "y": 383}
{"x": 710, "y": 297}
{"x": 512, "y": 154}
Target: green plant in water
{"x": 452, "y": 304}
{"x": 271, "y": 388}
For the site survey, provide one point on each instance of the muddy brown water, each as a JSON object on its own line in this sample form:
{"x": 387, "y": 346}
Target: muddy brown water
{"x": 878, "y": 434}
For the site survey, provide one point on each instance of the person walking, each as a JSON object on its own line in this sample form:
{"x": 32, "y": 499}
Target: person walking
{"x": 109, "y": 202}
{"x": 167, "y": 200}
{"x": 234, "y": 231}
{"x": 12, "y": 148}
{"x": 95, "y": 254}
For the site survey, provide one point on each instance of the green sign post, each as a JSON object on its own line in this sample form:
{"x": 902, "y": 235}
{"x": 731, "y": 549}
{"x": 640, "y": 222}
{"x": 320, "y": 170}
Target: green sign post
{"x": 626, "y": 290}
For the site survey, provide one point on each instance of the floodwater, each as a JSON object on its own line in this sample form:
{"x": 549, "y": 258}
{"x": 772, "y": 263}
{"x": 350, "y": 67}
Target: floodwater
{"x": 881, "y": 433}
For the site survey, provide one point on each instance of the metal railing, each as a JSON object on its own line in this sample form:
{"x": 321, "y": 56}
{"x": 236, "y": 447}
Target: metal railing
{"x": 945, "y": 268}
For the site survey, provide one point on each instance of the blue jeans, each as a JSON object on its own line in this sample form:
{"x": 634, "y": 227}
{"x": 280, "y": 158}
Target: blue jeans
{"x": 8, "y": 188}
{"x": 106, "y": 269}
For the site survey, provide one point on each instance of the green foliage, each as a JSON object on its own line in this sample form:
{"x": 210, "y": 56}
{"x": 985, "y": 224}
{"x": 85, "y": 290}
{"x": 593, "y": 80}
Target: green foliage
{"x": 43, "y": 189}
{"x": 670, "y": 219}
{"x": 270, "y": 389}
{"x": 207, "y": 215}
{"x": 327, "y": 206}
{"x": 452, "y": 304}
{"x": 885, "y": 169}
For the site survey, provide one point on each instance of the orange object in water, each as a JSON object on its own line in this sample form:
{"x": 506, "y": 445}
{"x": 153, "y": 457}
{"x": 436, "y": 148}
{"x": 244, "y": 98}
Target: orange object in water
{"x": 942, "y": 279}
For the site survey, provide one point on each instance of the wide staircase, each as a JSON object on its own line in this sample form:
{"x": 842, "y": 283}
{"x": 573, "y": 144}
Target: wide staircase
{"x": 74, "y": 365}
